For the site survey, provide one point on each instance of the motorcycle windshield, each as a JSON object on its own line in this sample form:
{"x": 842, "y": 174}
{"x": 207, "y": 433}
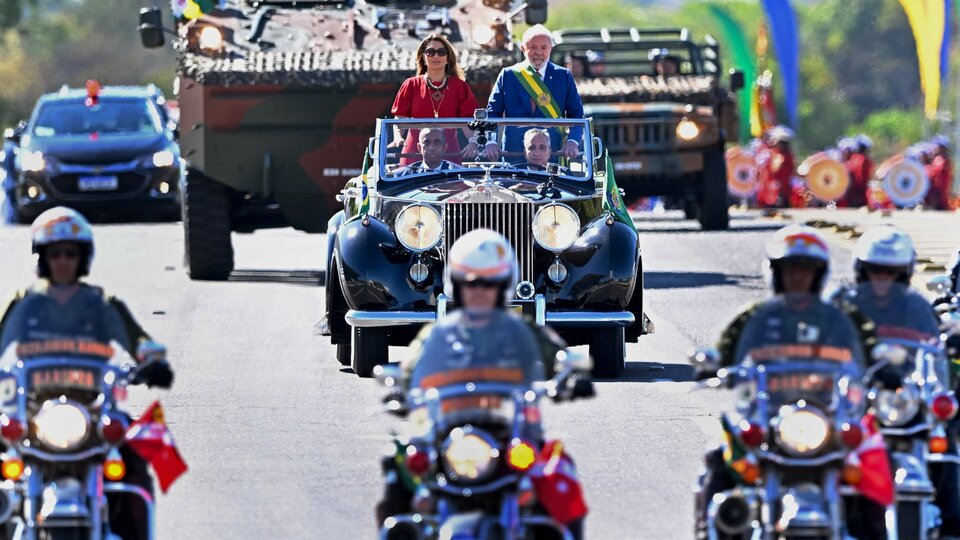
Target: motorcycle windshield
{"x": 46, "y": 378}
{"x": 480, "y": 396}
{"x": 817, "y": 382}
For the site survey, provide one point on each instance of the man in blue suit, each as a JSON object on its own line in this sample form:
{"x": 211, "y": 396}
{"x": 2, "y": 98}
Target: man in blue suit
{"x": 536, "y": 88}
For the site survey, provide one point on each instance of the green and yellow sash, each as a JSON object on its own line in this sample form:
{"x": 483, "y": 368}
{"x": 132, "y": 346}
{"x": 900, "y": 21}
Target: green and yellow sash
{"x": 531, "y": 82}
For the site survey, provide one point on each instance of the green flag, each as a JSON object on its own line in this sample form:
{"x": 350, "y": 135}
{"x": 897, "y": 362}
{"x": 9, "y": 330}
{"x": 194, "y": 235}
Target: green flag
{"x": 733, "y": 451}
{"x": 742, "y": 60}
{"x": 612, "y": 201}
{"x": 364, "y": 190}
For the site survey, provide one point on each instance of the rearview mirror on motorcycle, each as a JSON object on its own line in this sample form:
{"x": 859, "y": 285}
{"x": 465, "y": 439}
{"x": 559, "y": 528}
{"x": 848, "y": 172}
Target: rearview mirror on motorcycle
{"x": 388, "y": 375}
{"x": 939, "y": 284}
{"x": 705, "y": 360}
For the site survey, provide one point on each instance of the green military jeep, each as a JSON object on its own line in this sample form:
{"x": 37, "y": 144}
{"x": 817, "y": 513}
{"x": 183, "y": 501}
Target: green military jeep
{"x": 658, "y": 105}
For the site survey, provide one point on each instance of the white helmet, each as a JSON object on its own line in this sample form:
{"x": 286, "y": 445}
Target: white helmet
{"x": 887, "y": 246}
{"x": 481, "y": 255}
{"x": 62, "y": 224}
{"x": 796, "y": 242}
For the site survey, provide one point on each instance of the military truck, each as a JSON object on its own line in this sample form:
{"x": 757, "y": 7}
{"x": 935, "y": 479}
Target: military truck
{"x": 278, "y": 99}
{"x": 665, "y": 132}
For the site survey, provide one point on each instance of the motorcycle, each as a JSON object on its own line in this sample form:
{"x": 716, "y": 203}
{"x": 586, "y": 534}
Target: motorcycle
{"x": 795, "y": 424}
{"x": 912, "y": 404}
{"x": 62, "y": 429}
{"x": 474, "y": 449}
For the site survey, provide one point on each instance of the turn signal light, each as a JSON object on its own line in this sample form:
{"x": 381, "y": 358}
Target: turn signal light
{"x": 944, "y": 406}
{"x": 12, "y": 469}
{"x": 852, "y": 474}
{"x": 851, "y": 435}
{"x": 417, "y": 462}
{"x": 749, "y": 472}
{"x": 114, "y": 469}
{"x": 521, "y": 456}
{"x": 113, "y": 428}
{"x": 11, "y": 428}
{"x": 938, "y": 445}
{"x": 751, "y": 434}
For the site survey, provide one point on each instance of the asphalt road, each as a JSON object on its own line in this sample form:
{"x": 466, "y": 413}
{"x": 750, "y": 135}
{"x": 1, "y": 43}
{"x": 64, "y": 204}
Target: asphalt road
{"x": 284, "y": 443}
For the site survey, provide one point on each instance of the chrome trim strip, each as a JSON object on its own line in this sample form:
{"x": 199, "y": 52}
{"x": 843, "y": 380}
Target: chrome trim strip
{"x": 905, "y": 432}
{"x": 373, "y": 319}
{"x": 818, "y": 461}
{"x": 943, "y": 458}
{"x": 469, "y": 491}
{"x": 64, "y": 458}
{"x": 541, "y": 306}
{"x": 590, "y": 318}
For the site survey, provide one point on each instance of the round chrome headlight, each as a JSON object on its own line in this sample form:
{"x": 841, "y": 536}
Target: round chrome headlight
{"x": 687, "y": 130}
{"x": 556, "y": 227}
{"x": 62, "y": 426}
{"x": 802, "y": 431}
{"x": 418, "y": 227}
{"x": 469, "y": 454}
{"x": 897, "y": 407}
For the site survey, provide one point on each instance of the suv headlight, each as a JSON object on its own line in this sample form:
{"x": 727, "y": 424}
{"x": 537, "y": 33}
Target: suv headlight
{"x": 61, "y": 426}
{"x": 897, "y": 407}
{"x": 802, "y": 431}
{"x": 556, "y": 227}
{"x": 687, "y": 130}
{"x": 32, "y": 161}
{"x": 164, "y": 158}
{"x": 418, "y": 227}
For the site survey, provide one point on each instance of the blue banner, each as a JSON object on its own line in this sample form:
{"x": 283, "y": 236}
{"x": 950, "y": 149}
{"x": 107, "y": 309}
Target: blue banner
{"x": 783, "y": 25}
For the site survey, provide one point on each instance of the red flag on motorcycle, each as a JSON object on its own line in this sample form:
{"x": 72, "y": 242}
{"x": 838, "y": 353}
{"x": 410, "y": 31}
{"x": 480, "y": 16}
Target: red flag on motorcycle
{"x": 150, "y": 437}
{"x": 555, "y": 481}
{"x": 876, "y": 482}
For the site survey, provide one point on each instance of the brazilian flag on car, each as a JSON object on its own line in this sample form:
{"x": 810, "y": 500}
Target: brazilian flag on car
{"x": 612, "y": 201}
{"x": 364, "y": 188}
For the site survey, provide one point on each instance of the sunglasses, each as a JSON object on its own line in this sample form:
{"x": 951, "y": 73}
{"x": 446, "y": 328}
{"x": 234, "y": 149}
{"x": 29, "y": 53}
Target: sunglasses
{"x": 878, "y": 269}
{"x": 441, "y": 51}
{"x": 482, "y": 284}
{"x": 69, "y": 253}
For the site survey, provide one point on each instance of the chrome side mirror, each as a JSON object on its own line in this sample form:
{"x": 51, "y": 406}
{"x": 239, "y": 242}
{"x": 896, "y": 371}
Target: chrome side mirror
{"x": 388, "y": 375}
{"x": 939, "y": 284}
{"x": 597, "y": 148}
{"x": 892, "y": 354}
{"x": 705, "y": 360}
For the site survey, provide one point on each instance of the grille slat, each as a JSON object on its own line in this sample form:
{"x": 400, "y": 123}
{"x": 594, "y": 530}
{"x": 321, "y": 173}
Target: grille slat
{"x": 512, "y": 220}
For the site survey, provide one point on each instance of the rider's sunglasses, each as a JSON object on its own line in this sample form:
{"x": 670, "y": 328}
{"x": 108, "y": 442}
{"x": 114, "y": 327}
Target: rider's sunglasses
{"x": 483, "y": 284}
{"x": 879, "y": 269}
{"x": 56, "y": 253}
{"x": 439, "y": 51}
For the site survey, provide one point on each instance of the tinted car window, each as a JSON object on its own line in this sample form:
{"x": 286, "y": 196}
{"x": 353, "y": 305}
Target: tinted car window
{"x": 120, "y": 116}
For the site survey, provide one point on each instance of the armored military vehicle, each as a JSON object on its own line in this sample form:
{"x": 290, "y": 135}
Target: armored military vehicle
{"x": 278, "y": 99}
{"x": 659, "y": 106}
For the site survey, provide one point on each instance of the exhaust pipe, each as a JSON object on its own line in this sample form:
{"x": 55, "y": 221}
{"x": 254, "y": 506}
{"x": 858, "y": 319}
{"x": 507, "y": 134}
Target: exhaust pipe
{"x": 732, "y": 515}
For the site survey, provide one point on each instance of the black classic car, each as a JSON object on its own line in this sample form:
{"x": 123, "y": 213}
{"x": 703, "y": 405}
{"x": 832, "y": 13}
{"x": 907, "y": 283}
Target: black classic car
{"x": 98, "y": 150}
{"x": 580, "y": 268}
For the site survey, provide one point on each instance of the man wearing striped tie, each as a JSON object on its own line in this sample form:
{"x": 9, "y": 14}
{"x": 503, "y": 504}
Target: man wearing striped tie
{"x": 536, "y": 88}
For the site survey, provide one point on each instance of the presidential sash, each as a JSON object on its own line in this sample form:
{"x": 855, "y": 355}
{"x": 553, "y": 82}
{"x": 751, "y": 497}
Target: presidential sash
{"x": 535, "y": 86}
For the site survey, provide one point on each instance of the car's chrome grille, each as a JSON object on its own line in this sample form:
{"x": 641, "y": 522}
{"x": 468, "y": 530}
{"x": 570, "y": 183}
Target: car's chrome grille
{"x": 513, "y": 220}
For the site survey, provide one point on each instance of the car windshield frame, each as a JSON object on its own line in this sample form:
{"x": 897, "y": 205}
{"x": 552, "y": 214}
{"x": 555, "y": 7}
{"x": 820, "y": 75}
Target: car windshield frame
{"x": 386, "y": 132}
{"x": 80, "y": 103}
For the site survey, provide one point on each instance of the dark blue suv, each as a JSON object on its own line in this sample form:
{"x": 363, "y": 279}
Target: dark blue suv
{"x": 107, "y": 150}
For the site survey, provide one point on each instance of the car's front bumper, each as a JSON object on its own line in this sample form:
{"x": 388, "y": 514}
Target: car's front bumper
{"x": 537, "y": 306}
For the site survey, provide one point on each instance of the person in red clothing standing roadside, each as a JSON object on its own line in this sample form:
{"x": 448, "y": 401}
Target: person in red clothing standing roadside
{"x": 776, "y": 169}
{"x": 860, "y": 167}
{"x": 940, "y": 172}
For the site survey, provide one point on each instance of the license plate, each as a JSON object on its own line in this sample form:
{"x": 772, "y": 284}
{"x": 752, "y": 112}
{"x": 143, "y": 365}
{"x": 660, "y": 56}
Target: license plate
{"x": 97, "y": 183}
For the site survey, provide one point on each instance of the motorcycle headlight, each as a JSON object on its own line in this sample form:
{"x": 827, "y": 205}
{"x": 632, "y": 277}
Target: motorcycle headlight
{"x": 469, "y": 455}
{"x": 802, "y": 431}
{"x": 897, "y": 407}
{"x": 687, "y": 130}
{"x": 61, "y": 426}
{"x": 556, "y": 226}
{"x": 418, "y": 227}
{"x": 164, "y": 158}
{"x": 32, "y": 162}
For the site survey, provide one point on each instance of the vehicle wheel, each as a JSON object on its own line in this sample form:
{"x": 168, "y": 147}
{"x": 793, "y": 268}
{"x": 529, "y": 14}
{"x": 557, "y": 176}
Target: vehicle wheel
{"x": 909, "y": 522}
{"x": 689, "y": 208}
{"x": 370, "y": 348}
{"x": 208, "y": 252}
{"x": 608, "y": 350}
{"x": 343, "y": 354}
{"x": 713, "y": 211}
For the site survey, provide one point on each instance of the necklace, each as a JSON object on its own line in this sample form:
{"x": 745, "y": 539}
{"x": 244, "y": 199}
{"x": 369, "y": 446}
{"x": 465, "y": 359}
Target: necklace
{"x": 437, "y": 95}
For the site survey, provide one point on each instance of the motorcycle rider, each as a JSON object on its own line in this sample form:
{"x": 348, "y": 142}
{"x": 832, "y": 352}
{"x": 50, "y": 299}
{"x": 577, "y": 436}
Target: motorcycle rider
{"x": 480, "y": 277}
{"x": 796, "y": 268}
{"x": 61, "y": 306}
{"x": 883, "y": 263}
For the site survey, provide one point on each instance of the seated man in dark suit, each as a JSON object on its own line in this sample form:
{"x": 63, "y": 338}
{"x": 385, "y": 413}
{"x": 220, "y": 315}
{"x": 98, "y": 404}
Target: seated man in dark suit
{"x": 431, "y": 145}
{"x": 536, "y": 88}
{"x": 536, "y": 148}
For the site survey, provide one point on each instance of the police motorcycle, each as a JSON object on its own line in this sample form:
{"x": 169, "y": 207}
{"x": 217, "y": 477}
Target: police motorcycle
{"x": 789, "y": 439}
{"x": 473, "y": 446}
{"x": 62, "y": 429}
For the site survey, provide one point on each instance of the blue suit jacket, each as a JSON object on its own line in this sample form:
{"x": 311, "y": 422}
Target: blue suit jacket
{"x": 510, "y": 100}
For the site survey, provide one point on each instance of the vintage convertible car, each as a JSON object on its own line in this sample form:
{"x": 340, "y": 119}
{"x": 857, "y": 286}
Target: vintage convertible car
{"x": 580, "y": 268}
